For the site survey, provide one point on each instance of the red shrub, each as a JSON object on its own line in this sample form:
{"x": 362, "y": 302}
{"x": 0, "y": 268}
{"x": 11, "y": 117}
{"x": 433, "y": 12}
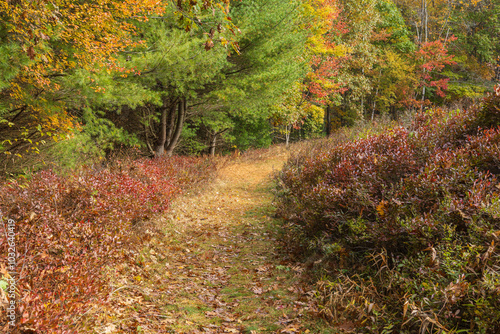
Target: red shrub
{"x": 423, "y": 204}
{"x": 69, "y": 228}
{"x": 393, "y": 185}
{"x": 349, "y": 181}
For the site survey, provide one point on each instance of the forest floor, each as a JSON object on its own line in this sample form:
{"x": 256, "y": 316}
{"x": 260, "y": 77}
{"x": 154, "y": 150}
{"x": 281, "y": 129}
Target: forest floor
{"x": 215, "y": 266}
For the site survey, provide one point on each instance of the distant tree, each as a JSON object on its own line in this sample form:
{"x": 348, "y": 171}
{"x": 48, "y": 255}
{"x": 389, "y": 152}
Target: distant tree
{"x": 293, "y": 110}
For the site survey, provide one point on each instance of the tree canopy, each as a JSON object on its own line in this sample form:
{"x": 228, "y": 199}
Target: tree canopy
{"x": 190, "y": 76}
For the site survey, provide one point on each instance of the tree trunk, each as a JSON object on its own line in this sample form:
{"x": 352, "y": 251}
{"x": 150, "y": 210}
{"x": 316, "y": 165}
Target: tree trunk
{"x": 362, "y": 96}
{"x": 425, "y": 31}
{"x": 423, "y": 98}
{"x": 171, "y": 121}
{"x": 424, "y": 17}
{"x": 374, "y": 103}
{"x": 181, "y": 114}
{"x": 376, "y": 93}
{"x": 166, "y": 126}
{"x": 363, "y": 106}
{"x": 419, "y": 34}
{"x": 287, "y": 135}
{"x": 160, "y": 147}
{"x": 426, "y": 21}
{"x": 373, "y": 109}
{"x": 328, "y": 120}
{"x": 213, "y": 142}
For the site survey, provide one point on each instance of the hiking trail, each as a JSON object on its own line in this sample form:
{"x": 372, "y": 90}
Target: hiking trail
{"x": 215, "y": 268}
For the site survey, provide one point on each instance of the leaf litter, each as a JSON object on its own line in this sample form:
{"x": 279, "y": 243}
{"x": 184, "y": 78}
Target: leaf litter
{"x": 210, "y": 265}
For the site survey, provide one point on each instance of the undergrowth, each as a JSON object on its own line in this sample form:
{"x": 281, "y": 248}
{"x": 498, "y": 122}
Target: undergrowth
{"x": 403, "y": 223}
{"x": 70, "y": 227}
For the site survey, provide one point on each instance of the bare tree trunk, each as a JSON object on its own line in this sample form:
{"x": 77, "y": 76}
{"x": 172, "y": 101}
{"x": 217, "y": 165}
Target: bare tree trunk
{"x": 213, "y": 142}
{"x": 424, "y": 18}
{"x": 160, "y": 147}
{"x": 181, "y": 114}
{"x": 423, "y": 99}
{"x": 425, "y": 28}
{"x": 376, "y": 93}
{"x": 426, "y": 21}
{"x": 171, "y": 121}
{"x": 363, "y": 106}
{"x": 166, "y": 126}
{"x": 328, "y": 120}
{"x": 419, "y": 35}
{"x": 287, "y": 134}
{"x": 146, "y": 131}
{"x": 373, "y": 109}
{"x": 363, "y": 97}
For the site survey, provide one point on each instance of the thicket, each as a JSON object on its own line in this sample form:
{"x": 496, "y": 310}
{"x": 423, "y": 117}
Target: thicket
{"x": 70, "y": 228}
{"x": 404, "y": 223}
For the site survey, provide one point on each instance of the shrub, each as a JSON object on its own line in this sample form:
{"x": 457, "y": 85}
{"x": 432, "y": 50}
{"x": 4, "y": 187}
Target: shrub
{"x": 68, "y": 228}
{"x": 410, "y": 217}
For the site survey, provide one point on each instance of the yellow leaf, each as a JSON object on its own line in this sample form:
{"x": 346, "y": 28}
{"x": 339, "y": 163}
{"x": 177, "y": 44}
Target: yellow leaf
{"x": 381, "y": 208}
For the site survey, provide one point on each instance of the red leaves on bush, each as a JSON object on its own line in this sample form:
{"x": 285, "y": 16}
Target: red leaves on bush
{"x": 373, "y": 209}
{"x": 349, "y": 178}
{"x": 69, "y": 228}
{"x": 396, "y": 189}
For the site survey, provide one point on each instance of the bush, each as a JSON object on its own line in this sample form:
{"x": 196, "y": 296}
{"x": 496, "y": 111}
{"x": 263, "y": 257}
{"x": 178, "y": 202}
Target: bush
{"x": 409, "y": 216}
{"x": 68, "y": 228}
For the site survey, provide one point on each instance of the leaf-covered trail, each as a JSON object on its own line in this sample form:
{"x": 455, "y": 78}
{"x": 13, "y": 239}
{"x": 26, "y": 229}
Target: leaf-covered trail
{"x": 215, "y": 270}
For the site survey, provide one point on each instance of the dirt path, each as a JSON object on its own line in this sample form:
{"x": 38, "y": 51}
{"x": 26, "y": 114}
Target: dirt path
{"x": 215, "y": 268}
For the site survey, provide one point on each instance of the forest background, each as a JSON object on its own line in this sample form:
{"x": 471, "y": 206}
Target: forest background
{"x": 81, "y": 80}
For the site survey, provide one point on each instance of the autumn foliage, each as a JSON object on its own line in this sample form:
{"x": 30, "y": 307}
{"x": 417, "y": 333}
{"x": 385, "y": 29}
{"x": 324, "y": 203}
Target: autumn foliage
{"x": 416, "y": 209}
{"x": 326, "y": 51}
{"x": 69, "y": 228}
{"x": 44, "y": 44}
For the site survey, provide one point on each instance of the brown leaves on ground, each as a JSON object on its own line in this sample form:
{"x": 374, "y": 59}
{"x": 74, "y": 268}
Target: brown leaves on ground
{"x": 209, "y": 266}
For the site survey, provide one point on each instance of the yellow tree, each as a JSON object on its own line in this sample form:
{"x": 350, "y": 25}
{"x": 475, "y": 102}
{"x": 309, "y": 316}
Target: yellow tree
{"x": 293, "y": 110}
{"x": 326, "y": 52}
